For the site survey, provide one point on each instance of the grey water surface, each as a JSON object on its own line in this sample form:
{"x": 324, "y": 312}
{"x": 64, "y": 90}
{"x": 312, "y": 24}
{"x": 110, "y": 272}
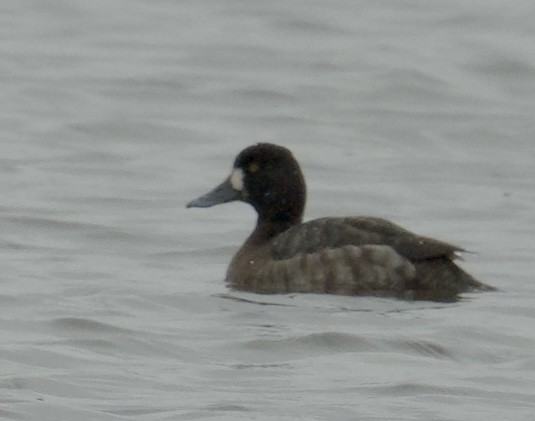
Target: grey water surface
{"x": 114, "y": 114}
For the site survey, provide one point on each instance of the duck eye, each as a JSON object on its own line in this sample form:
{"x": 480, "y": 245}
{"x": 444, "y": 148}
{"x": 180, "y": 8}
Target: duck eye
{"x": 253, "y": 167}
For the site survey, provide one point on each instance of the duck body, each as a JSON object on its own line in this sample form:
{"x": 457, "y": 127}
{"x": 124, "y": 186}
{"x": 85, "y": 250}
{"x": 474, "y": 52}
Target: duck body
{"x": 337, "y": 255}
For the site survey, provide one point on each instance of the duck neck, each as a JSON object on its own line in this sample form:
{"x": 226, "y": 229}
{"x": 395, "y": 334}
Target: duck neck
{"x": 266, "y": 229}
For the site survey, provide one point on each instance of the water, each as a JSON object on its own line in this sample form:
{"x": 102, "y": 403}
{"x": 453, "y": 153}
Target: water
{"x": 115, "y": 114}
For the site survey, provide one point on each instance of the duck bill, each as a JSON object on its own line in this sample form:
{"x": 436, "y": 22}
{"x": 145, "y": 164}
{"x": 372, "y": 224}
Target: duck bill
{"x": 221, "y": 194}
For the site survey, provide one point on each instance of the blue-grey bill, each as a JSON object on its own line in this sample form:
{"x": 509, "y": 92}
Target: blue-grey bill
{"x": 221, "y": 194}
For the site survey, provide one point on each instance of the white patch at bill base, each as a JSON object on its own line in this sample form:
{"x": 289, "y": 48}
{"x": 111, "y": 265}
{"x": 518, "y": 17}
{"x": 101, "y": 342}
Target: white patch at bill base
{"x": 236, "y": 179}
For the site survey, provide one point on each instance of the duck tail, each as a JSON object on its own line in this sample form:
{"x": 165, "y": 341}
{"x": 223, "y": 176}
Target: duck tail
{"x": 440, "y": 279}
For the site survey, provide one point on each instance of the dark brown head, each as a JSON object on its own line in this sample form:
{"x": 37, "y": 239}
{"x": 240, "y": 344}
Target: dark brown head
{"x": 268, "y": 177}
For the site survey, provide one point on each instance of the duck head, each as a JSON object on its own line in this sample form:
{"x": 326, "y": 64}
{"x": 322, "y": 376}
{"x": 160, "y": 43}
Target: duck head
{"x": 266, "y": 176}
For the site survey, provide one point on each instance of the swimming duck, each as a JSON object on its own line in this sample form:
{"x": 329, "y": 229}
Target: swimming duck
{"x": 344, "y": 255}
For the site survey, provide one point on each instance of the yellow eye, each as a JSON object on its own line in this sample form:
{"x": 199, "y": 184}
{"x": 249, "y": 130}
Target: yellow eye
{"x": 253, "y": 167}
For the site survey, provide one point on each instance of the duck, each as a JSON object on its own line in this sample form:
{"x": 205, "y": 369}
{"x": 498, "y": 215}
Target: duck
{"x": 353, "y": 255}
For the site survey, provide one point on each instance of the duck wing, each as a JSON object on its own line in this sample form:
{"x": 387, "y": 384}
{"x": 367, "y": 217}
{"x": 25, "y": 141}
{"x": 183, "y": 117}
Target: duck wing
{"x": 319, "y": 234}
